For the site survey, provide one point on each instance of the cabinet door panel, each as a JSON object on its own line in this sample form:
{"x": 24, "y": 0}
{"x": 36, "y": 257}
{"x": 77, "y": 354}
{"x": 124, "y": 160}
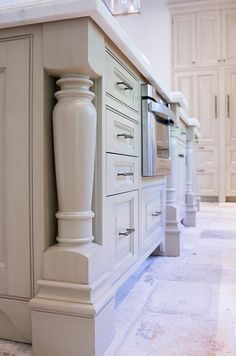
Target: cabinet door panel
{"x": 231, "y": 182}
{"x": 122, "y": 212}
{"x": 207, "y": 180}
{"x": 231, "y": 156}
{"x": 208, "y": 38}
{"x": 185, "y": 82}
{"x": 229, "y": 36}
{"x": 207, "y": 156}
{"x": 15, "y": 227}
{"x": 208, "y": 105}
{"x": 230, "y": 106}
{"x": 152, "y": 203}
{"x": 184, "y": 40}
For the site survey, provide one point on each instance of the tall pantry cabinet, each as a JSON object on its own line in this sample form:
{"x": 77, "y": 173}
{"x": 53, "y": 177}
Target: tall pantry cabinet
{"x": 204, "y": 69}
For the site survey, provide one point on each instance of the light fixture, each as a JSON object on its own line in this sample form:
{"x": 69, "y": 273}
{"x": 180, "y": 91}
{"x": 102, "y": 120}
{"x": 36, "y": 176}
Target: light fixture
{"x": 118, "y": 7}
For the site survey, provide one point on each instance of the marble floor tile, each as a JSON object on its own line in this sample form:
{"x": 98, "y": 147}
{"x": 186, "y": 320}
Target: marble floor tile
{"x": 178, "y": 306}
{"x": 167, "y": 335}
{"x": 180, "y": 298}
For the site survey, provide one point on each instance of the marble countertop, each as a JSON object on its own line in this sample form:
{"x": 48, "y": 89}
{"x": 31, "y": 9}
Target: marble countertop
{"x": 24, "y": 12}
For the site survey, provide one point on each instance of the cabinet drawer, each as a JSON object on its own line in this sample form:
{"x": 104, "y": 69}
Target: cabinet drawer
{"x": 152, "y": 217}
{"x": 121, "y": 83}
{"x": 122, "y": 230}
{"x": 207, "y": 180}
{"x": 207, "y": 156}
{"x": 122, "y": 174}
{"x": 122, "y": 135}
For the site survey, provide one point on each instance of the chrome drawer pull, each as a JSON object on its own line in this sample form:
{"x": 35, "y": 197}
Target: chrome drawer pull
{"x": 181, "y": 155}
{"x": 125, "y": 135}
{"x": 200, "y": 170}
{"x": 127, "y": 232}
{"x": 125, "y": 174}
{"x": 157, "y": 213}
{"x": 183, "y": 133}
{"x": 126, "y": 85}
{"x": 201, "y": 148}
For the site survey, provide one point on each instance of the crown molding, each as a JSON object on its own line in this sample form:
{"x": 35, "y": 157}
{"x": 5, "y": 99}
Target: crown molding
{"x": 202, "y": 5}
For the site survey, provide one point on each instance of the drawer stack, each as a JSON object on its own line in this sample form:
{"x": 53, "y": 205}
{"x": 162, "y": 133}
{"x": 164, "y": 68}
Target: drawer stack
{"x": 122, "y": 163}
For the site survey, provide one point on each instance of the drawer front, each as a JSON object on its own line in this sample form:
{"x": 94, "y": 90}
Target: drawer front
{"x": 122, "y": 231}
{"x": 122, "y": 135}
{"x": 123, "y": 174}
{"x": 152, "y": 217}
{"x": 207, "y": 156}
{"x": 121, "y": 84}
{"x": 207, "y": 180}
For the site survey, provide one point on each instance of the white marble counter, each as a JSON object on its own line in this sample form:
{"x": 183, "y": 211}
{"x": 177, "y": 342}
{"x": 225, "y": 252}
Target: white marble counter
{"x": 24, "y": 12}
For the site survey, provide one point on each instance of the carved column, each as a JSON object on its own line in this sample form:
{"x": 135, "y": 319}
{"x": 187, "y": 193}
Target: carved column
{"x": 73, "y": 312}
{"x": 190, "y": 215}
{"x": 172, "y": 243}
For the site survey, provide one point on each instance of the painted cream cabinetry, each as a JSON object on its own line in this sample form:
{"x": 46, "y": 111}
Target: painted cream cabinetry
{"x": 204, "y": 38}
{"x": 208, "y": 85}
{"x": 182, "y": 192}
{"x": 59, "y": 265}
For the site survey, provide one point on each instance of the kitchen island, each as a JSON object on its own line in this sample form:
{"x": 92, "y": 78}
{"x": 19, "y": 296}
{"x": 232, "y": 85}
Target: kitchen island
{"x": 64, "y": 160}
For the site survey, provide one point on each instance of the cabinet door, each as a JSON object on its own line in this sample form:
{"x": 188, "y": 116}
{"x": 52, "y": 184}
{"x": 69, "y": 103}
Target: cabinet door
{"x": 186, "y": 83}
{"x": 122, "y": 231}
{"x": 207, "y": 180}
{"x": 208, "y": 105}
{"x": 184, "y": 40}
{"x": 229, "y": 36}
{"x": 15, "y": 177}
{"x": 152, "y": 203}
{"x": 230, "y": 106}
{"x": 208, "y": 38}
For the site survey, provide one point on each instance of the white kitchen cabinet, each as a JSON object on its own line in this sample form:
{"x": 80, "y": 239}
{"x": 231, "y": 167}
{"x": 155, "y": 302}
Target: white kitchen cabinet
{"x": 231, "y": 182}
{"x": 208, "y": 182}
{"x": 208, "y": 38}
{"x": 182, "y": 195}
{"x": 185, "y": 82}
{"x": 229, "y": 36}
{"x": 203, "y": 38}
{"x": 123, "y": 232}
{"x": 202, "y": 93}
{"x": 152, "y": 216}
{"x": 207, "y": 103}
{"x": 184, "y": 40}
{"x": 14, "y": 159}
{"x": 230, "y": 109}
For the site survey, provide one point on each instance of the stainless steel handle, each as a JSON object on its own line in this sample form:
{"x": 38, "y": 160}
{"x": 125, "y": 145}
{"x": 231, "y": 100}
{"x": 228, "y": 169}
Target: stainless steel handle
{"x": 161, "y": 110}
{"x": 127, "y": 232}
{"x": 157, "y": 213}
{"x": 200, "y": 170}
{"x": 126, "y": 85}
{"x": 181, "y": 155}
{"x": 201, "y": 148}
{"x": 193, "y": 62}
{"x": 228, "y": 106}
{"x": 125, "y": 135}
{"x": 125, "y": 174}
{"x": 216, "y": 114}
{"x": 183, "y": 133}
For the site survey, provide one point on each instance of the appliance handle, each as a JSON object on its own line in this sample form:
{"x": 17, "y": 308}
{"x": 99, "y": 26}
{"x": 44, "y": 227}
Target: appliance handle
{"x": 162, "y": 111}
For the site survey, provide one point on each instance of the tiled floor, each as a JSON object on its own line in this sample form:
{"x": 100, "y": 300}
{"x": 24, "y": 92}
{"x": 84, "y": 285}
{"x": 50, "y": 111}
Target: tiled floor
{"x": 182, "y": 306}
